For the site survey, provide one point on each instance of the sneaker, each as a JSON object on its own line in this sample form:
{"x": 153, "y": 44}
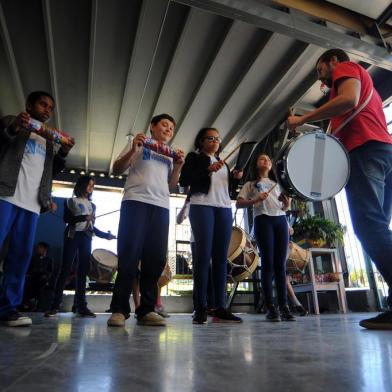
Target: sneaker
{"x": 116, "y": 320}
{"x": 51, "y": 313}
{"x": 301, "y": 311}
{"x": 200, "y": 317}
{"x": 286, "y": 315}
{"x": 15, "y": 319}
{"x": 85, "y": 313}
{"x": 152, "y": 319}
{"x": 382, "y": 321}
{"x": 272, "y": 314}
{"x": 161, "y": 311}
{"x": 222, "y": 315}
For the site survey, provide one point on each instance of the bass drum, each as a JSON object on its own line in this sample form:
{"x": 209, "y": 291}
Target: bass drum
{"x": 313, "y": 167}
{"x": 243, "y": 257}
{"x": 103, "y": 265}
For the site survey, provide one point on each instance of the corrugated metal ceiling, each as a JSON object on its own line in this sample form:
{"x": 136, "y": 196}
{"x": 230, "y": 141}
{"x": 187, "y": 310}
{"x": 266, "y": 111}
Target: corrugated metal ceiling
{"x": 111, "y": 65}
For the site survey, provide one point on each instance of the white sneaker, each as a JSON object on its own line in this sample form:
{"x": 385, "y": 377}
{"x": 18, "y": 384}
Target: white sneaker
{"x": 116, "y": 320}
{"x": 152, "y": 319}
{"x": 15, "y": 319}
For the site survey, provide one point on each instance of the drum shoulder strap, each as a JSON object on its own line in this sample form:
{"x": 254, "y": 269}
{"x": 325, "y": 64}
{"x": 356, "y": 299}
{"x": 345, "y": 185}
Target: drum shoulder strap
{"x": 349, "y": 118}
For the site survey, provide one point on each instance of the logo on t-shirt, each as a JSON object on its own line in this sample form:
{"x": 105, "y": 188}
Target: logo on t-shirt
{"x": 152, "y": 155}
{"x": 263, "y": 187}
{"x": 32, "y": 148}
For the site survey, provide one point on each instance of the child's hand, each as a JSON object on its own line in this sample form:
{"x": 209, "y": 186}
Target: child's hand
{"x": 237, "y": 174}
{"x": 21, "y": 121}
{"x": 286, "y": 201}
{"x": 53, "y": 207}
{"x": 65, "y": 148}
{"x": 111, "y": 236}
{"x": 138, "y": 141}
{"x": 90, "y": 218}
{"x": 263, "y": 195}
{"x": 180, "y": 159}
{"x": 216, "y": 166}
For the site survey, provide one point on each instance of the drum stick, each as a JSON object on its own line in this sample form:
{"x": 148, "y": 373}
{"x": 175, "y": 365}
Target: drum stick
{"x": 272, "y": 188}
{"x": 233, "y": 151}
{"x": 107, "y": 213}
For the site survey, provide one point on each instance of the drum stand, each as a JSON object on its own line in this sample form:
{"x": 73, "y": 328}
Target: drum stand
{"x": 256, "y": 291}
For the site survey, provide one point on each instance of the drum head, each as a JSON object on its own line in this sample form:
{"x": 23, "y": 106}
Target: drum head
{"x": 106, "y": 258}
{"x": 317, "y": 166}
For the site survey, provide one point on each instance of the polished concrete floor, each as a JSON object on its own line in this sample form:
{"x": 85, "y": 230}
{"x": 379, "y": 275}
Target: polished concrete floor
{"x": 326, "y": 353}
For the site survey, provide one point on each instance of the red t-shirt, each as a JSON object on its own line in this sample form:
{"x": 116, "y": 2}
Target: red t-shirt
{"x": 369, "y": 123}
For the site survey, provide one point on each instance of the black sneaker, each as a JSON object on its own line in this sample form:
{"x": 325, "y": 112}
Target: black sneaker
{"x": 85, "y": 313}
{"x": 272, "y": 314}
{"x": 200, "y": 317}
{"x": 51, "y": 313}
{"x": 222, "y": 315}
{"x": 382, "y": 321}
{"x": 301, "y": 311}
{"x": 15, "y": 319}
{"x": 286, "y": 315}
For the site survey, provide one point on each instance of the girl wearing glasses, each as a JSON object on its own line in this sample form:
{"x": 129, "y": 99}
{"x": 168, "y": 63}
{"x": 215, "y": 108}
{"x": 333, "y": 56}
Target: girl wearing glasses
{"x": 211, "y": 221}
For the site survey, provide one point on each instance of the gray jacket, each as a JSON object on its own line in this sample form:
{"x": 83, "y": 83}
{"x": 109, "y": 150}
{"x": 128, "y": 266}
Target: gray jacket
{"x": 12, "y": 147}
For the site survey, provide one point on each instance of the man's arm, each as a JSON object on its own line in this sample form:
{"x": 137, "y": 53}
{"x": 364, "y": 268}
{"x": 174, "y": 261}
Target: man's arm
{"x": 349, "y": 91}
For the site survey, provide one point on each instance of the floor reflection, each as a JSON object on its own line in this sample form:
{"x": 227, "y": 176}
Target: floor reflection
{"x": 314, "y": 354}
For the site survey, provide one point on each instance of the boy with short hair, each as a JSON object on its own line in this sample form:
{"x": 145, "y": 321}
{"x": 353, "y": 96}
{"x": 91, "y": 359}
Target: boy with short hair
{"x": 27, "y": 165}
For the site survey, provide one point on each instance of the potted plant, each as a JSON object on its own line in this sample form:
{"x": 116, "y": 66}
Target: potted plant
{"x": 318, "y": 231}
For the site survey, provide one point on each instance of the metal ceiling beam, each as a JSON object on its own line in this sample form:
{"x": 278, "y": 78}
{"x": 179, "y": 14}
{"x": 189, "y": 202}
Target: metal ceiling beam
{"x": 144, "y": 50}
{"x": 11, "y": 59}
{"x": 268, "y": 18}
{"x": 92, "y": 52}
{"x": 52, "y": 59}
{"x": 330, "y": 12}
{"x": 385, "y": 16}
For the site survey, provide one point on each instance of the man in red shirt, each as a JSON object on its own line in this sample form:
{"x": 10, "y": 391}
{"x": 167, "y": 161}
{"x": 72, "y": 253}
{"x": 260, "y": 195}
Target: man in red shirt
{"x": 365, "y": 136}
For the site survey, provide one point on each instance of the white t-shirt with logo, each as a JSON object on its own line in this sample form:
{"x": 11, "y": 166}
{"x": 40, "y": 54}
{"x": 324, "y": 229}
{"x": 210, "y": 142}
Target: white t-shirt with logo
{"x": 30, "y": 174}
{"x": 271, "y": 205}
{"x": 81, "y": 206}
{"x": 218, "y": 194}
{"x": 148, "y": 178}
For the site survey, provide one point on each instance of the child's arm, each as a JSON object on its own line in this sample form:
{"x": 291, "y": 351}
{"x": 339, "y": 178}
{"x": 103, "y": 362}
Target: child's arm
{"x": 102, "y": 234}
{"x": 11, "y": 125}
{"x": 127, "y": 156}
{"x": 177, "y": 165}
{"x": 193, "y": 169}
{"x": 70, "y": 218}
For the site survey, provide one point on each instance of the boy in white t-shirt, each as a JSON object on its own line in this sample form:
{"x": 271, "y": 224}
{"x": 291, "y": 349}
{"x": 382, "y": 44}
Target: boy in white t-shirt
{"x": 144, "y": 220}
{"x": 27, "y": 165}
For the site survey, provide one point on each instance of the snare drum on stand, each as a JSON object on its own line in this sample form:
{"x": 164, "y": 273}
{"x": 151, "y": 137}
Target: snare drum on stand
{"x": 313, "y": 167}
{"x": 243, "y": 257}
{"x": 103, "y": 265}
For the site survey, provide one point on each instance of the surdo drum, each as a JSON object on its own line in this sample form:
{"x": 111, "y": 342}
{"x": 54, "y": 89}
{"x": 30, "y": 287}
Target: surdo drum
{"x": 312, "y": 167}
{"x": 243, "y": 257}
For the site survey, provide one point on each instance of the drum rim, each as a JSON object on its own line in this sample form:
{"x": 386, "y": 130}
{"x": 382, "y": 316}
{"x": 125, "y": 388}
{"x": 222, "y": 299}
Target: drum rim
{"x": 287, "y": 149}
{"x": 241, "y": 246}
{"x": 106, "y": 250}
{"x": 246, "y": 273}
